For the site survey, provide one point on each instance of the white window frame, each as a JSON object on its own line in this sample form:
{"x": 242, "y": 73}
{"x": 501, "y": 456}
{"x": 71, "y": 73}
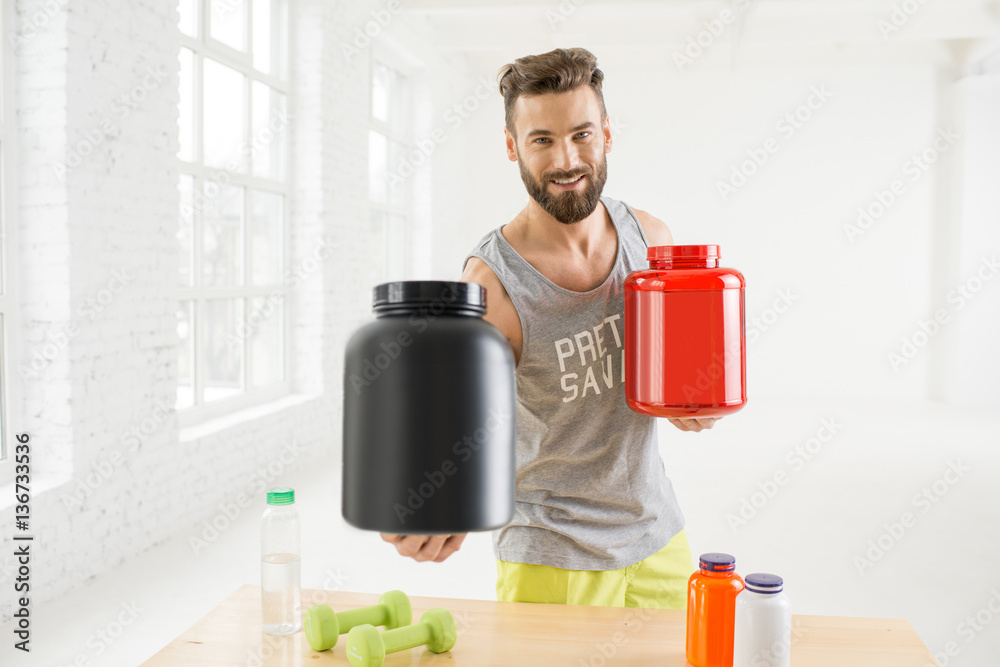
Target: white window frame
{"x": 385, "y": 57}
{"x": 205, "y": 46}
{"x": 10, "y": 389}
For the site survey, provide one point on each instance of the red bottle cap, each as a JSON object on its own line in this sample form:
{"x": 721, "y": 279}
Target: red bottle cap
{"x": 673, "y": 252}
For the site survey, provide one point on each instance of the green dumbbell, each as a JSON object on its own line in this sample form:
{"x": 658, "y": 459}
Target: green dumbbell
{"x": 366, "y": 646}
{"x": 323, "y": 626}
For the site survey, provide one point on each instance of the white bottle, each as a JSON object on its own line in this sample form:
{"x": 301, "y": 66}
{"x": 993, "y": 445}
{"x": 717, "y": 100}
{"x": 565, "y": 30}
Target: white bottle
{"x": 280, "y": 568}
{"x": 763, "y": 627}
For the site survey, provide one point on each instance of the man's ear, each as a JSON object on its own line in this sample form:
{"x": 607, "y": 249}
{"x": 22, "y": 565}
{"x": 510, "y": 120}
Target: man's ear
{"x": 511, "y": 146}
{"x": 607, "y": 134}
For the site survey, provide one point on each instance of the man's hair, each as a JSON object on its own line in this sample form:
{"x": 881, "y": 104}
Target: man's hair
{"x": 557, "y": 71}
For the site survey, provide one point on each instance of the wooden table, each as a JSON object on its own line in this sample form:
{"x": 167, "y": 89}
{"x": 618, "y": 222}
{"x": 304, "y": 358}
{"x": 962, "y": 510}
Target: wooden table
{"x": 524, "y": 634}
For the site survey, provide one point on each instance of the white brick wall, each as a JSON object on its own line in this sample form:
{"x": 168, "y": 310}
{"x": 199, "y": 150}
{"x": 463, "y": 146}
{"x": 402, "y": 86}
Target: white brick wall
{"x": 115, "y": 345}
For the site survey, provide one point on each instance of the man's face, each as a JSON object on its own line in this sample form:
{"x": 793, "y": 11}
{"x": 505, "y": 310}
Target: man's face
{"x": 560, "y": 137}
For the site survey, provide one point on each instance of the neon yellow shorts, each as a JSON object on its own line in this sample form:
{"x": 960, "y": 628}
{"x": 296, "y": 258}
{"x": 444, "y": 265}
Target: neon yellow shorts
{"x": 657, "y": 582}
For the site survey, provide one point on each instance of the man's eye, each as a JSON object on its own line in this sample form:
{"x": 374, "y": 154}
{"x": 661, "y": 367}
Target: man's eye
{"x": 540, "y": 139}
{"x": 583, "y": 134}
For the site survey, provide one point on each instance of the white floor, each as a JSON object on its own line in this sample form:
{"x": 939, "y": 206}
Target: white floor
{"x": 939, "y": 571}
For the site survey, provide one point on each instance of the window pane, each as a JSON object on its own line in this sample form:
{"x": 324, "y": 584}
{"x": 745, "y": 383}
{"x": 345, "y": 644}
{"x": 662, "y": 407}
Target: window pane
{"x": 377, "y": 166}
{"x": 396, "y": 181}
{"x": 267, "y": 237}
{"x": 380, "y": 93}
{"x": 265, "y": 325}
{"x": 376, "y": 248}
{"x": 263, "y": 21}
{"x": 222, "y": 348}
{"x": 228, "y": 19}
{"x": 185, "y": 371}
{"x": 225, "y": 117}
{"x": 400, "y": 102}
{"x": 222, "y": 241}
{"x": 187, "y": 108}
{"x": 185, "y": 232}
{"x": 396, "y": 248}
{"x": 189, "y": 17}
{"x": 270, "y": 123}
{"x": 281, "y": 45}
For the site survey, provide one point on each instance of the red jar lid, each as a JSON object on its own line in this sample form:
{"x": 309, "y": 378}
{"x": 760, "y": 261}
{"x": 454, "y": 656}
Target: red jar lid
{"x": 672, "y": 252}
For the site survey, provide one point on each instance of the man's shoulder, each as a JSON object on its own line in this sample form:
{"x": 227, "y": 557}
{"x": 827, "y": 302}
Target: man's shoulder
{"x": 485, "y": 247}
{"x": 477, "y": 270}
{"x": 655, "y": 230}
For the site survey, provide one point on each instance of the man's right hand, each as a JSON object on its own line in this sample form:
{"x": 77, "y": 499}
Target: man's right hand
{"x": 425, "y": 547}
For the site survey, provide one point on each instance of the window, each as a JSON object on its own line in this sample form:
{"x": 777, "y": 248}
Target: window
{"x": 232, "y": 314}
{"x": 389, "y": 168}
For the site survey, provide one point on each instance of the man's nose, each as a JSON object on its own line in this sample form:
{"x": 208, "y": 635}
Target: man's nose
{"x": 566, "y": 155}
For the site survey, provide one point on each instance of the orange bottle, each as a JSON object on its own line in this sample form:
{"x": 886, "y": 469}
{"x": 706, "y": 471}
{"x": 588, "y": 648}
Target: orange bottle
{"x": 711, "y": 611}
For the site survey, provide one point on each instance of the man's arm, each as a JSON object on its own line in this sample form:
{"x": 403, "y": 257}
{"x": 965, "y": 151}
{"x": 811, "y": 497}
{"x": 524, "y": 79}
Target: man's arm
{"x": 500, "y": 310}
{"x": 657, "y": 233}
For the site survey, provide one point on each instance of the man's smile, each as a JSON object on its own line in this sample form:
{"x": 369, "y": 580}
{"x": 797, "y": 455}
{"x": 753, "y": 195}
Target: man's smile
{"x": 568, "y": 183}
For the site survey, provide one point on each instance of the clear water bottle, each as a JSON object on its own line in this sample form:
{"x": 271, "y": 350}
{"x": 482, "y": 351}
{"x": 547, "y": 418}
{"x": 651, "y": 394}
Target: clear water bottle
{"x": 281, "y": 566}
{"x": 763, "y": 625}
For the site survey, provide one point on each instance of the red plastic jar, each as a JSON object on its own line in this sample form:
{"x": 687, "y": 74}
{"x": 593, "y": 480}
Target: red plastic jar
{"x": 685, "y": 347}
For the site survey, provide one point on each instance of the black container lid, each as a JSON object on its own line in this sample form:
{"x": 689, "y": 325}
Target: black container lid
{"x": 434, "y": 294}
{"x": 760, "y": 582}
{"x": 717, "y": 562}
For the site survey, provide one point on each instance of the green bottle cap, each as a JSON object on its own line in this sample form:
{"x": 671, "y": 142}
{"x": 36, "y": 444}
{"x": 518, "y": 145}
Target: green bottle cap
{"x": 280, "y": 495}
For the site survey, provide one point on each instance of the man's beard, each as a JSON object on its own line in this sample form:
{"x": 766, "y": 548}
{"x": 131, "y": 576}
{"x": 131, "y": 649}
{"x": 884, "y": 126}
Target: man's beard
{"x": 570, "y": 206}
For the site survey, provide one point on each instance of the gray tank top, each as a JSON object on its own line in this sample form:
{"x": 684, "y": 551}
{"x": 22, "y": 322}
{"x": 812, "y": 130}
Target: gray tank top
{"x": 592, "y": 491}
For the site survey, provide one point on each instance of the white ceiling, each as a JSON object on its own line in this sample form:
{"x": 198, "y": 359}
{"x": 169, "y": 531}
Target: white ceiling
{"x": 808, "y": 32}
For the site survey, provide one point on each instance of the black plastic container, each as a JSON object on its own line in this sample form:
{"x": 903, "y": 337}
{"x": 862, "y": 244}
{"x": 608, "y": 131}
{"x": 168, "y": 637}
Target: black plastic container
{"x": 428, "y": 414}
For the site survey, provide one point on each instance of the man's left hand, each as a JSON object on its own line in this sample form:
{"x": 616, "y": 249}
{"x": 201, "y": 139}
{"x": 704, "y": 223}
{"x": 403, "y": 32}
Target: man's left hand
{"x": 695, "y": 423}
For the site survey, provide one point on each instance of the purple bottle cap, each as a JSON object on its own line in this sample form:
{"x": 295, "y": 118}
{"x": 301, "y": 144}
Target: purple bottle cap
{"x": 759, "y": 582}
{"x": 717, "y": 562}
